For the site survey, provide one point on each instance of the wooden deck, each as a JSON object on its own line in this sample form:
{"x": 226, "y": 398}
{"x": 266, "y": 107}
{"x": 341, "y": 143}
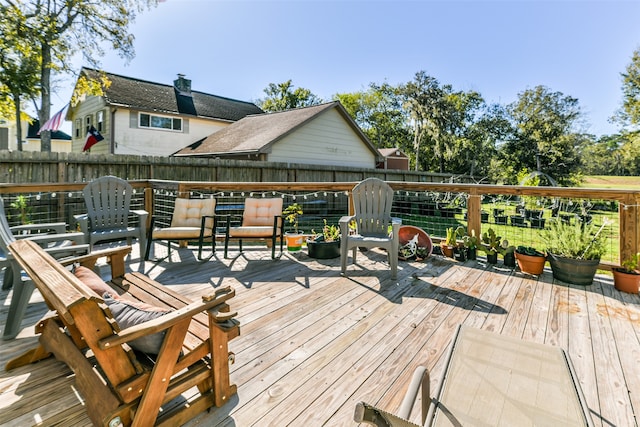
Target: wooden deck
{"x": 313, "y": 343}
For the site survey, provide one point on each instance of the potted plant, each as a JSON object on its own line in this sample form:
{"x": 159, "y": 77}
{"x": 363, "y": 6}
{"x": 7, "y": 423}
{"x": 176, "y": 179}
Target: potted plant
{"x": 530, "y": 260}
{"x": 294, "y": 238}
{"x": 490, "y": 244}
{"x": 449, "y": 243}
{"x": 508, "y": 253}
{"x": 470, "y": 244}
{"x": 325, "y": 245}
{"x": 626, "y": 278}
{"x": 574, "y": 251}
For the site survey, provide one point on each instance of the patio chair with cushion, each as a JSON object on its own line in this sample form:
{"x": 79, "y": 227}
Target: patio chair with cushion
{"x": 108, "y": 199}
{"x": 372, "y": 200}
{"x": 492, "y": 380}
{"x": 192, "y": 219}
{"x": 261, "y": 219}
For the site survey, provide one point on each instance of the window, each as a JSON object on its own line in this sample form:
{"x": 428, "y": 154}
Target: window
{"x": 78, "y": 128}
{"x": 88, "y": 123}
{"x": 159, "y": 122}
{"x": 100, "y": 121}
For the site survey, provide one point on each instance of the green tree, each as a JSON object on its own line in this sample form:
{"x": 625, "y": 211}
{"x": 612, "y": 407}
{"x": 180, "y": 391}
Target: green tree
{"x": 545, "y": 138}
{"x": 62, "y": 28}
{"x": 379, "y": 113}
{"x": 282, "y": 97}
{"x": 19, "y": 65}
{"x": 630, "y": 112}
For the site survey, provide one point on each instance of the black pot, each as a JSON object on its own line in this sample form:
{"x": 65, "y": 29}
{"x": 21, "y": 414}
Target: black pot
{"x": 509, "y": 259}
{"x": 571, "y": 270}
{"x": 471, "y": 254}
{"x": 492, "y": 258}
{"x": 323, "y": 250}
{"x": 460, "y": 254}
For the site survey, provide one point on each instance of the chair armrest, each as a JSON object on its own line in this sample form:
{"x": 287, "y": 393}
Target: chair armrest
{"x": 170, "y": 319}
{"x": 344, "y": 225}
{"x": 116, "y": 259}
{"x": 43, "y": 239}
{"x": 83, "y": 221}
{"x": 56, "y": 227}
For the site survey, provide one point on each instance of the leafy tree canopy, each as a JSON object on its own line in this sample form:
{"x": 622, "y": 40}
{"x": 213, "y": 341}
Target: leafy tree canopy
{"x": 283, "y": 96}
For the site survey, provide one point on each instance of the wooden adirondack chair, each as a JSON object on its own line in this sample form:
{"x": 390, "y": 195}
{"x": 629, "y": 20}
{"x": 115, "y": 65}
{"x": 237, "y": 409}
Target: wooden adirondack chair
{"x": 372, "y": 200}
{"x": 119, "y": 386}
{"x": 53, "y": 238}
{"x": 108, "y": 199}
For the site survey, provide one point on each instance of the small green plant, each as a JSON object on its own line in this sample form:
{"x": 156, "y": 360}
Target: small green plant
{"x": 528, "y": 250}
{"x": 24, "y": 211}
{"x": 330, "y": 233}
{"x": 631, "y": 264}
{"x": 291, "y": 214}
{"x": 491, "y": 241}
{"x": 506, "y": 248}
{"x": 578, "y": 241}
{"x": 470, "y": 242}
{"x": 452, "y": 235}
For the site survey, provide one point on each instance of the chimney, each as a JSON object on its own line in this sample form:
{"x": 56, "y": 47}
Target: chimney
{"x": 182, "y": 85}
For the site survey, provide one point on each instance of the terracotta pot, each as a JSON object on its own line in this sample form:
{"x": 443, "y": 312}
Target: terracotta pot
{"x": 447, "y": 251}
{"x": 626, "y": 282}
{"x": 531, "y": 264}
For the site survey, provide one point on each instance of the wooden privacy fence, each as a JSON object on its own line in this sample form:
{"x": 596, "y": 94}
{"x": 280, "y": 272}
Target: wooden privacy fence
{"x": 422, "y": 204}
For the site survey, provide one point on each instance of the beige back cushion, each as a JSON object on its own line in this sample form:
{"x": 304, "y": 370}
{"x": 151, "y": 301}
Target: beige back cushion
{"x": 189, "y": 212}
{"x": 261, "y": 211}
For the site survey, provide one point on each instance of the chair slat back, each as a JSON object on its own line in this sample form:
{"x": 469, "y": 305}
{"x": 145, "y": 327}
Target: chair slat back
{"x": 107, "y": 199}
{"x": 6, "y": 236}
{"x": 372, "y": 201}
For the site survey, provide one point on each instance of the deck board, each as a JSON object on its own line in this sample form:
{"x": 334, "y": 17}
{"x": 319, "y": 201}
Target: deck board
{"x": 313, "y": 343}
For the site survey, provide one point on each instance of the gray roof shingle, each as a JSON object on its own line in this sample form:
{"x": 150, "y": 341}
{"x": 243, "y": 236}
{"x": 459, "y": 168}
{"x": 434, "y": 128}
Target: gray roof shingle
{"x": 149, "y": 96}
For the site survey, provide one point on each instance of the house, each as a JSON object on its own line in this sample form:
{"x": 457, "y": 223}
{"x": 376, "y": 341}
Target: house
{"x": 322, "y": 134}
{"x": 145, "y": 118}
{"x": 60, "y": 141}
{"x": 393, "y": 158}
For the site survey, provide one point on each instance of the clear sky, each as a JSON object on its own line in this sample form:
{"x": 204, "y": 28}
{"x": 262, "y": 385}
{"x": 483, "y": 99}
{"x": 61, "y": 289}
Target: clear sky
{"x": 498, "y": 48}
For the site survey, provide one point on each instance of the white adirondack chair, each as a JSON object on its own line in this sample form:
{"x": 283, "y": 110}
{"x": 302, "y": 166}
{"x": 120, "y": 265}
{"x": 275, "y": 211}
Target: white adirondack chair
{"x": 372, "y": 200}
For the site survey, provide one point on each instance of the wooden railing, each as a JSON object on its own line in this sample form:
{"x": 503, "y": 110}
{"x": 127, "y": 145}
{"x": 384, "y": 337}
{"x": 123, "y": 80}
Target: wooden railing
{"x": 67, "y": 199}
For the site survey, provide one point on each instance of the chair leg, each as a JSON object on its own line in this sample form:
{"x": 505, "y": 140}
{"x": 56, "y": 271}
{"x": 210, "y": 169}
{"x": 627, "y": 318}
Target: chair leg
{"x": 148, "y": 249}
{"x": 19, "y": 301}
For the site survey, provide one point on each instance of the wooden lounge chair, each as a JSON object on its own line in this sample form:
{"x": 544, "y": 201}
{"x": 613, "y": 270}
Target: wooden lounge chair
{"x": 120, "y": 385}
{"x": 108, "y": 199}
{"x": 192, "y": 219}
{"x": 372, "y": 200}
{"x": 492, "y": 380}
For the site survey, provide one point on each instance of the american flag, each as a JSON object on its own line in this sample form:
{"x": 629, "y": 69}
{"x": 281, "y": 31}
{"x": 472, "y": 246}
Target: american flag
{"x": 53, "y": 124}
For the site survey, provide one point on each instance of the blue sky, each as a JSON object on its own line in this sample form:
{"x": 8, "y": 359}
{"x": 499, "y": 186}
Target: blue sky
{"x": 498, "y": 48}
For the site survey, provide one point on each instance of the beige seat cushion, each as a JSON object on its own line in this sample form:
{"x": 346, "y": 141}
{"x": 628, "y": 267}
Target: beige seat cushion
{"x": 180, "y": 233}
{"x": 253, "y": 231}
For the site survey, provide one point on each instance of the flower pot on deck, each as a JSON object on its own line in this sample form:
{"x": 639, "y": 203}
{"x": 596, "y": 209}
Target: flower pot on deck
{"x": 531, "y": 264}
{"x": 323, "y": 250}
{"x": 625, "y": 281}
{"x": 294, "y": 240}
{"x": 571, "y": 270}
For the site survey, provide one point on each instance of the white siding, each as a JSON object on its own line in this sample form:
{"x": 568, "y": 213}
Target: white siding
{"x": 326, "y": 140}
{"x": 157, "y": 142}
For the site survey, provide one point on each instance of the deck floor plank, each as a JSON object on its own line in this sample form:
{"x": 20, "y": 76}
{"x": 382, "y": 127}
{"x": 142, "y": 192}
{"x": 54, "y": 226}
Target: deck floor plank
{"x": 313, "y": 342}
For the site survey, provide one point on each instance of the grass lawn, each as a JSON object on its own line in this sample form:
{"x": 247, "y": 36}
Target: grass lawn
{"x": 613, "y": 182}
